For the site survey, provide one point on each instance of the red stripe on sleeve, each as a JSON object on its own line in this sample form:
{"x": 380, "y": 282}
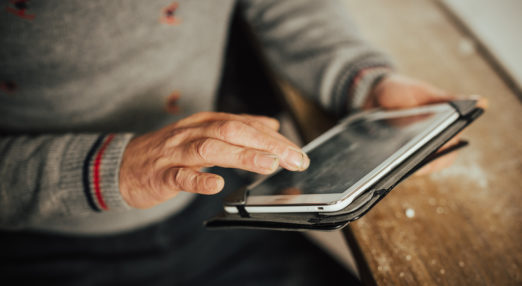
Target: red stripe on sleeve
{"x": 363, "y": 72}
{"x": 96, "y": 177}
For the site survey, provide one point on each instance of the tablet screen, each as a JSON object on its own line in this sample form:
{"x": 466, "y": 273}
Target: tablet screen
{"x": 347, "y": 156}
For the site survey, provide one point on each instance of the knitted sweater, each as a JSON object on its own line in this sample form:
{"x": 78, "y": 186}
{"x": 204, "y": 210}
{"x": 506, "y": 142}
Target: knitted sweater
{"x": 78, "y": 79}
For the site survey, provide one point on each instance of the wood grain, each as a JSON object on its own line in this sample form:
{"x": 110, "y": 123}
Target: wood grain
{"x": 467, "y": 223}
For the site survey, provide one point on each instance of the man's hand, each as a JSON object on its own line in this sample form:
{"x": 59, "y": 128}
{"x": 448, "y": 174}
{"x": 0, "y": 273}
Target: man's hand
{"x": 396, "y": 91}
{"x": 158, "y": 165}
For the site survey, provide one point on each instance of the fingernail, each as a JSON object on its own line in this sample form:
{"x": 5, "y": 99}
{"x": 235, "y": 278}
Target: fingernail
{"x": 267, "y": 161}
{"x": 297, "y": 159}
{"x": 214, "y": 183}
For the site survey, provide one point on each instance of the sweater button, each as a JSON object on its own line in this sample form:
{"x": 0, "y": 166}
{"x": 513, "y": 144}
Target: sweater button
{"x": 171, "y": 105}
{"x": 168, "y": 15}
{"x": 8, "y": 86}
{"x": 19, "y": 8}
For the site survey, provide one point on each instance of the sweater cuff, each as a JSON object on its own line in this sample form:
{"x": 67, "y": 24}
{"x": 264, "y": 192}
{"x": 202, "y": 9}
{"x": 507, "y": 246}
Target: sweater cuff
{"x": 95, "y": 173}
{"x": 363, "y": 84}
{"x": 356, "y": 83}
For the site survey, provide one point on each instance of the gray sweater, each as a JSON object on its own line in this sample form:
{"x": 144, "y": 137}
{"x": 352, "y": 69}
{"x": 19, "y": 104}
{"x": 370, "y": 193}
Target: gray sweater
{"x": 78, "y": 79}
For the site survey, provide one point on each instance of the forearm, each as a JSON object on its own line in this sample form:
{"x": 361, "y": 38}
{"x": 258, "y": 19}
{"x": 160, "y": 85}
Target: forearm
{"x": 52, "y": 176}
{"x": 315, "y": 46}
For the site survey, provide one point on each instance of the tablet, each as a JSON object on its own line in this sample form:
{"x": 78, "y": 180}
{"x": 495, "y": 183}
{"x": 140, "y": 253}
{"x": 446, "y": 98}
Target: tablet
{"x": 348, "y": 159}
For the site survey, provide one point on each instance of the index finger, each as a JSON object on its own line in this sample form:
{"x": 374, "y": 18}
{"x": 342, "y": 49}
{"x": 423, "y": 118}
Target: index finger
{"x": 242, "y": 134}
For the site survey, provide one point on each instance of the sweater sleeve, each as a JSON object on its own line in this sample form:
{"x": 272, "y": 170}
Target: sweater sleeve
{"x": 48, "y": 176}
{"x": 315, "y": 46}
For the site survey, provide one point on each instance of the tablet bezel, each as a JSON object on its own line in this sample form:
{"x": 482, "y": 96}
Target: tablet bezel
{"x": 338, "y": 201}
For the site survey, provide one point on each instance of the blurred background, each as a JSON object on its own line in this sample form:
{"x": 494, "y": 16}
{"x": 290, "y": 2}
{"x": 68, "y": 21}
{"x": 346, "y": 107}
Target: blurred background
{"x": 495, "y": 26}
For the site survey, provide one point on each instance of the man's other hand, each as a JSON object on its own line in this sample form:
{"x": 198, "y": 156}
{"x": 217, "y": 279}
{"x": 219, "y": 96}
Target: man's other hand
{"x": 158, "y": 165}
{"x": 398, "y": 91}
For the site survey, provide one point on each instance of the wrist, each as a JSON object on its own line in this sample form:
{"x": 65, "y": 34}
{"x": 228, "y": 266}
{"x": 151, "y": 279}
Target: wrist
{"x": 372, "y": 98}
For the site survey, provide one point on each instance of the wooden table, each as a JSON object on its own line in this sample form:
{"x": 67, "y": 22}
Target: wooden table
{"x": 467, "y": 222}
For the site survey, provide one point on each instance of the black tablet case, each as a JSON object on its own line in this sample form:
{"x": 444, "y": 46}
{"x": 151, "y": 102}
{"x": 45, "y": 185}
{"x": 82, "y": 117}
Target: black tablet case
{"x": 361, "y": 205}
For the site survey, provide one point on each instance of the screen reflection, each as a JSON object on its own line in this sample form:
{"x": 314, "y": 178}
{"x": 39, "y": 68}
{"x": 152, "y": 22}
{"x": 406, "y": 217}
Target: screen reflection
{"x": 346, "y": 157}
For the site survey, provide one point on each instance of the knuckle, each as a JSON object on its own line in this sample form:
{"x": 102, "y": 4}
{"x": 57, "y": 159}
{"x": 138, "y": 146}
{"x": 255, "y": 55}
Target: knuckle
{"x": 200, "y": 186}
{"x": 276, "y": 123}
{"x": 274, "y": 146}
{"x": 199, "y": 116}
{"x": 272, "y": 122}
{"x": 265, "y": 118}
{"x": 171, "y": 178}
{"x": 249, "y": 119}
{"x": 203, "y": 114}
{"x": 176, "y": 136}
{"x": 230, "y": 129}
{"x": 203, "y": 148}
{"x": 185, "y": 180}
{"x": 247, "y": 158}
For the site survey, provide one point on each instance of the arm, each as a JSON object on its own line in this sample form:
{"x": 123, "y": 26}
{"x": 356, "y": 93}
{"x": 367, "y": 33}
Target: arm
{"x": 44, "y": 177}
{"x": 51, "y": 176}
{"x": 315, "y": 46}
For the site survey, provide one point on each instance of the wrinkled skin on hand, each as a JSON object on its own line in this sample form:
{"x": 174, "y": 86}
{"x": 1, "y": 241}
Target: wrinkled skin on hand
{"x": 158, "y": 165}
{"x": 397, "y": 91}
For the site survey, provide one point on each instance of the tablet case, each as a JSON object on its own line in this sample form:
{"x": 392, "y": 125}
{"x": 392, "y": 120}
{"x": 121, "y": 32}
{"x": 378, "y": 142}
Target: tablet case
{"x": 363, "y": 203}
